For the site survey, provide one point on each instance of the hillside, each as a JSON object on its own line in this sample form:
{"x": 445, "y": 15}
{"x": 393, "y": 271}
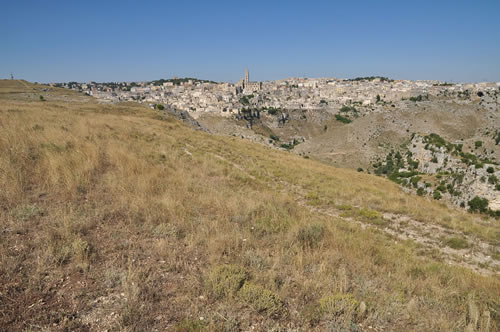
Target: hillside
{"x": 118, "y": 217}
{"x": 336, "y": 134}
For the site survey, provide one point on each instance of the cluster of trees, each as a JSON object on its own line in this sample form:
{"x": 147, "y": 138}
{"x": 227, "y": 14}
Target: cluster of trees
{"x": 370, "y": 78}
{"x": 178, "y": 81}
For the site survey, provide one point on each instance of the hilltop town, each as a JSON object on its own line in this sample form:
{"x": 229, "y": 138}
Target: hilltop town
{"x": 201, "y": 96}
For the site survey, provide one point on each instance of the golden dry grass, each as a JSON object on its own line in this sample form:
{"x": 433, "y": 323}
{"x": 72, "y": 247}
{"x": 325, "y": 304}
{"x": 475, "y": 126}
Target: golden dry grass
{"x": 114, "y": 217}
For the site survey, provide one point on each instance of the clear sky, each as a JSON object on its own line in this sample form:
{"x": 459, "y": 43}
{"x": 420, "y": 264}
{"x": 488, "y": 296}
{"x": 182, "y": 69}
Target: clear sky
{"x": 56, "y": 41}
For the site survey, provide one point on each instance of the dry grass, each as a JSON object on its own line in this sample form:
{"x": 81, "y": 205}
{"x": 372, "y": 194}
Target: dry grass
{"x": 113, "y": 217}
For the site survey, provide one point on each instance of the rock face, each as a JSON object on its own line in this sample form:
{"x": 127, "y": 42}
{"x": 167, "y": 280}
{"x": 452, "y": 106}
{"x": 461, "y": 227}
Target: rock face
{"x": 185, "y": 117}
{"x": 495, "y": 204}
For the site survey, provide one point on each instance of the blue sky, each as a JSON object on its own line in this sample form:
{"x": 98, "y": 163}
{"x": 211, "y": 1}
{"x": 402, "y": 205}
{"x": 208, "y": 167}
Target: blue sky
{"x": 55, "y": 41}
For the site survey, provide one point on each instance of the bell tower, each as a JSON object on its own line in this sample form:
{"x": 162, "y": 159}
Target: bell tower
{"x": 246, "y": 77}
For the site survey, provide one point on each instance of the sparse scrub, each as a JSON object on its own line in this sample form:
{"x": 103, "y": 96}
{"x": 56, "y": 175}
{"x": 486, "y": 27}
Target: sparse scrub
{"x": 262, "y": 300}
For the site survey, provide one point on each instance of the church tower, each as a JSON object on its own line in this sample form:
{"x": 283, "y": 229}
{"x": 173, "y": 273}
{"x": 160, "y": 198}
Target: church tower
{"x": 246, "y": 77}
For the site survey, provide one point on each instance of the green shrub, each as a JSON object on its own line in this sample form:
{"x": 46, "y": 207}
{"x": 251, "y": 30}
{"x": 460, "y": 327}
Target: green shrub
{"x": 160, "y": 107}
{"x": 342, "y": 119}
{"x": 262, "y": 300}
{"x": 273, "y": 111}
{"x": 436, "y": 195}
{"x": 456, "y": 243}
{"x": 478, "y": 144}
{"x": 226, "y": 280}
{"x": 478, "y": 204}
{"x": 339, "y": 306}
{"x": 414, "y": 181}
{"x": 492, "y": 179}
{"x": 420, "y": 191}
{"x": 490, "y": 170}
{"x": 274, "y": 137}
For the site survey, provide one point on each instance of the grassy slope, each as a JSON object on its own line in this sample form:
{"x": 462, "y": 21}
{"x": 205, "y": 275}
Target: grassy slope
{"x": 114, "y": 217}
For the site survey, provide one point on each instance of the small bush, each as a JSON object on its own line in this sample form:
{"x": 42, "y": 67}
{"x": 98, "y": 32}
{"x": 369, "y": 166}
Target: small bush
{"x": 342, "y": 119}
{"x": 339, "y": 306}
{"x": 490, "y": 170}
{"x": 436, "y": 195}
{"x": 160, "y": 107}
{"x": 456, "y": 243}
{"x": 226, "y": 280}
{"x": 420, "y": 191}
{"x": 478, "y": 144}
{"x": 310, "y": 236}
{"x": 262, "y": 300}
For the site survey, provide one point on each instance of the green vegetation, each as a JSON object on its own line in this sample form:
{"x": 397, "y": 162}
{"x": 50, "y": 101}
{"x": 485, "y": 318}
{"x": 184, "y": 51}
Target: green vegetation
{"x": 371, "y": 78}
{"x": 478, "y": 204}
{"x": 159, "y": 107}
{"x": 478, "y": 144}
{"x": 456, "y": 243}
{"x": 291, "y": 145}
{"x": 343, "y": 119}
{"x": 340, "y": 307}
{"x": 419, "y": 98}
{"x": 245, "y": 100}
{"x": 179, "y": 81}
{"x": 272, "y": 110}
{"x": 262, "y": 300}
{"x": 42, "y": 98}
{"x": 226, "y": 280}
{"x": 436, "y": 195}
